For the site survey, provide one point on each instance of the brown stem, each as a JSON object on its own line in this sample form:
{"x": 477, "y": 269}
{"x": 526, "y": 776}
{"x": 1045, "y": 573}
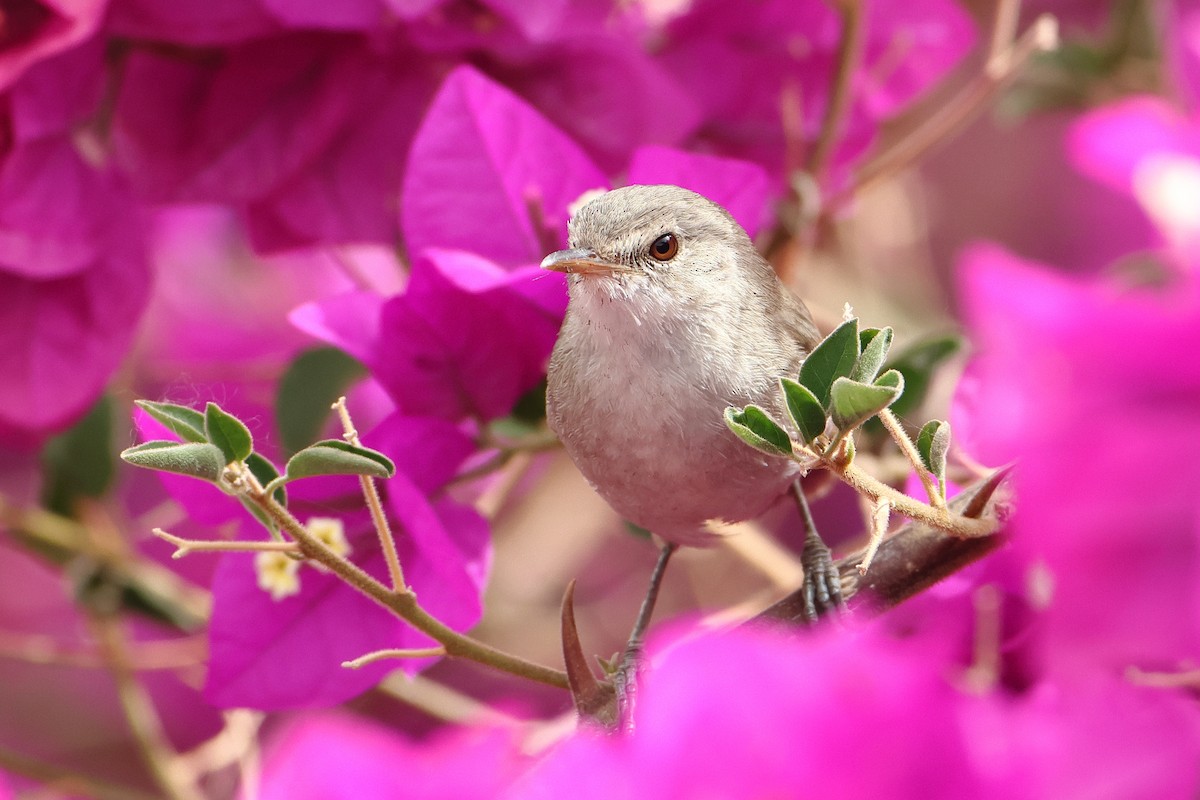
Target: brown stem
{"x": 66, "y": 781}
{"x": 139, "y": 708}
{"x": 956, "y": 114}
{"x": 849, "y": 56}
{"x": 386, "y": 541}
{"x": 404, "y": 604}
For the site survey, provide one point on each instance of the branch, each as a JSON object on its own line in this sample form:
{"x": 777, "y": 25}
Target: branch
{"x": 911, "y": 560}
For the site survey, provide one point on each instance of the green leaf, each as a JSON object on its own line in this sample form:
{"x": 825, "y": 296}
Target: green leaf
{"x": 186, "y": 423}
{"x": 853, "y": 403}
{"x": 873, "y": 355}
{"x": 228, "y": 433}
{"x": 833, "y": 358}
{"x": 336, "y": 457}
{"x": 79, "y": 462}
{"x": 918, "y": 363}
{"x": 892, "y": 379}
{"x": 307, "y": 391}
{"x": 754, "y": 427}
{"x": 198, "y": 459}
{"x": 265, "y": 472}
{"x": 932, "y": 443}
{"x": 805, "y": 409}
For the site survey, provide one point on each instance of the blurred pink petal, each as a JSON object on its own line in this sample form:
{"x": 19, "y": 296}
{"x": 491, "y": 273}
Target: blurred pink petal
{"x": 488, "y": 174}
{"x": 349, "y": 321}
{"x": 606, "y": 92}
{"x": 232, "y": 128}
{"x": 61, "y": 339}
{"x": 742, "y": 187}
{"x": 344, "y": 15}
{"x": 374, "y": 763}
{"x": 1109, "y": 143}
{"x": 59, "y": 93}
{"x": 37, "y": 29}
{"x": 191, "y": 22}
{"x": 1096, "y": 391}
{"x": 759, "y": 714}
{"x": 350, "y": 192}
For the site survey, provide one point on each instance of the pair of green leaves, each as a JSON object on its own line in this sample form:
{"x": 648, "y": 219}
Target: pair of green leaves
{"x": 839, "y": 381}
{"x": 214, "y": 439}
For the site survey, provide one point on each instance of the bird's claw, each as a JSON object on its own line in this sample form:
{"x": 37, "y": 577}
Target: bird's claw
{"x": 822, "y": 583}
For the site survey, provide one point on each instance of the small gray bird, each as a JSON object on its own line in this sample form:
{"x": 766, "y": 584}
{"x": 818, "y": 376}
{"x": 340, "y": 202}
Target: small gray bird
{"x": 673, "y": 316}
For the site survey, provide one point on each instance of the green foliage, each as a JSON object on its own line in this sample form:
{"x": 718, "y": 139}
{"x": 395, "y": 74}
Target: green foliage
{"x": 79, "y": 462}
{"x": 228, "y": 433}
{"x": 932, "y": 443}
{"x": 852, "y": 403}
{"x": 871, "y": 360}
{"x": 805, "y": 409}
{"x": 186, "y": 423}
{"x": 754, "y": 427}
{"x": 201, "y": 460}
{"x": 336, "y": 457}
{"x": 833, "y": 358}
{"x": 307, "y": 391}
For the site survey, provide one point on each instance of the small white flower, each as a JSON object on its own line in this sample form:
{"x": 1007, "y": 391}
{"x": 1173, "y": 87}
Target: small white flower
{"x": 331, "y": 533}
{"x": 278, "y": 574}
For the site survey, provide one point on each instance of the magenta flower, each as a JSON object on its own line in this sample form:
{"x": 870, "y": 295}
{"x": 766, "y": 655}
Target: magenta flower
{"x": 74, "y": 280}
{"x": 1094, "y": 389}
{"x": 781, "y": 52}
{"x": 232, "y": 129}
{"x": 37, "y": 29}
{"x": 191, "y": 22}
{"x": 466, "y": 338}
{"x": 488, "y": 174}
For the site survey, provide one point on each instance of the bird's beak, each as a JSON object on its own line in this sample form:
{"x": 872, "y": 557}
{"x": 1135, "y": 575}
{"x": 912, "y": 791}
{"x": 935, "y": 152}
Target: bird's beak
{"x": 581, "y": 261}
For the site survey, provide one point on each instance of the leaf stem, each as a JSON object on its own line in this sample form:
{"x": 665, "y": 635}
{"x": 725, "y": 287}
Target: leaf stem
{"x": 940, "y": 518}
{"x": 386, "y": 541}
{"x": 898, "y": 434}
{"x": 186, "y": 546}
{"x": 380, "y": 655}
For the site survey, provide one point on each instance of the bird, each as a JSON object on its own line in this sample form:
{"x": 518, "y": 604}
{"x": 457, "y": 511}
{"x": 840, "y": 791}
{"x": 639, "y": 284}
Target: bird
{"x": 672, "y": 316}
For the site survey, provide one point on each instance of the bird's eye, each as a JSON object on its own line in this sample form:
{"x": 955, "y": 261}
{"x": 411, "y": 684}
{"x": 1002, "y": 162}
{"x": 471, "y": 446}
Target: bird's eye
{"x": 665, "y": 247}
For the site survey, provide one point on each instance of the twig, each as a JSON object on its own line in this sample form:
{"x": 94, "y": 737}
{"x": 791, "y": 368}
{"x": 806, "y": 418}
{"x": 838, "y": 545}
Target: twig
{"x": 66, "y": 781}
{"x": 386, "y": 540}
{"x": 900, "y": 437}
{"x": 186, "y": 546}
{"x": 940, "y": 518}
{"x": 879, "y": 522}
{"x": 401, "y": 653}
{"x": 849, "y": 56}
{"x": 139, "y": 708}
{"x": 143, "y": 657}
{"x": 955, "y": 115}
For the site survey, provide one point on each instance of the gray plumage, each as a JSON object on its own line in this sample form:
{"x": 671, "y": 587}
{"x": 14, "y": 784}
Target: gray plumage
{"x": 651, "y": 352}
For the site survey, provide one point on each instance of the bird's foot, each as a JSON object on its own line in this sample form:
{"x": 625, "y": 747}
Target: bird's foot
{"x": 625, "y": 681}
{"x": 822, "y": 583}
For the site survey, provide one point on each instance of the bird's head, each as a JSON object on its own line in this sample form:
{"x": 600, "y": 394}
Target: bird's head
{"x": 661, "y": 244}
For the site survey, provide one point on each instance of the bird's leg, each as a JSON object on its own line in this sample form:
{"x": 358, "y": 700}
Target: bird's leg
{"x": 822, "y": 584}
{"x": 625, "y": 678}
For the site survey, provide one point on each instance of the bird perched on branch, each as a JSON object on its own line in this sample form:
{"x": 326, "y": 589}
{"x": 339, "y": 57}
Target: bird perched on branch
{"x": 673, "y": 316}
